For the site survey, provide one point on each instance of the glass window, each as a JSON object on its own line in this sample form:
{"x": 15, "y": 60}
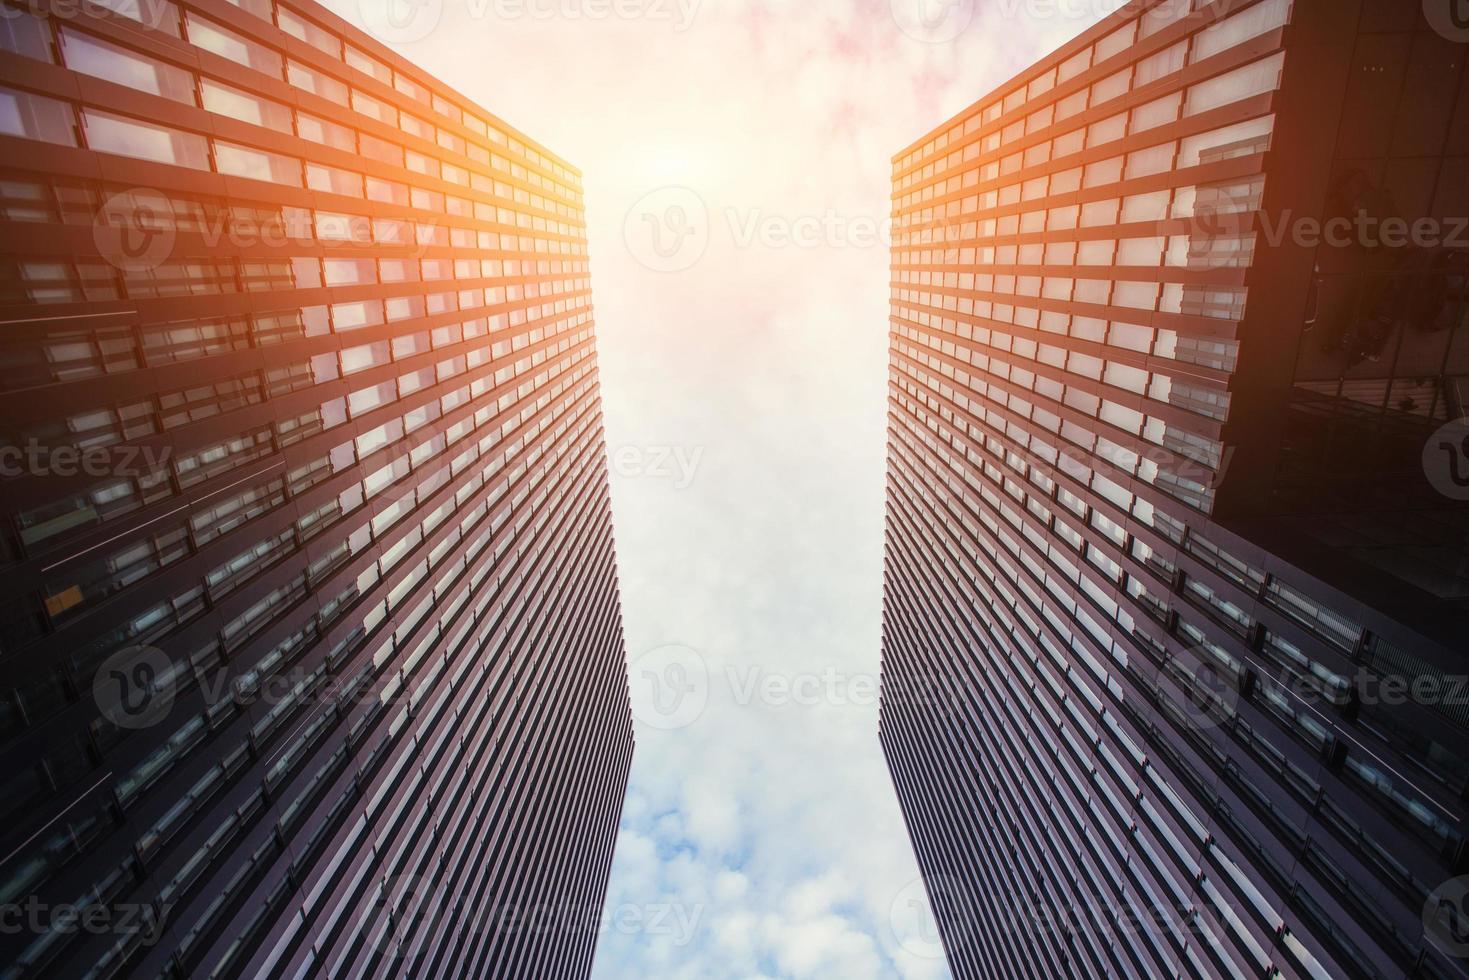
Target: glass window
{"x": 36, "y": 117}
{"x": 366, "y": 356}
{"x": 381, "y": 150}
{"x": 414, "y": 126}
{"x": 304, "y": 30}
{"x": 1241, "y": 27}
{"x": 93, "y": 56}
{"x": 318, "y": 83}
{"x": 227, "y": 44}
{"x": 375, "y": 108}
{"x": 27, "y": 36}
{"x": 412, "y": 89}
{"x": 366, "y": 63}
{"x": 349, "y": 272}
{"x": 1112, "y": 87}
{"x": 332, "y": 180}
{"x": 245, "y": 161}
{"x": 326, "y": 133}
{"x": 447, "y": 109}
{"x": 146, "y": 141}
{"x": 1159, "y": 112}
{"x": 161, "y": 15}
{"x": 1164, "y": 63}
{"x": 387, "y": 191}
{"x": 1242, "y": 83}
{"x": 245, "y": 107}
{"x": 260, "y": 8}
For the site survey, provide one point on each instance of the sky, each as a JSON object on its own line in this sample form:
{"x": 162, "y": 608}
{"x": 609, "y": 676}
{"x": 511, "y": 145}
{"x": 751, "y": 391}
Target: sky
{"x": 736, "y": 159}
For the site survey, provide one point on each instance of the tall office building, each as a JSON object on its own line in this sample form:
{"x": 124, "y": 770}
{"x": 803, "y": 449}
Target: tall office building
{"x": 1178, "y": 554}
{"x": 311, "y": 651}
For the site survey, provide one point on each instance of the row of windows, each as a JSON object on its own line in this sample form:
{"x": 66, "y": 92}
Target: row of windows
{"x": 248, "y": 224}
{"x": 64, "y": 281}
{"x": 29, "y": 36}
{"x": 50, "y": 524}
{"x": 408, "y": 479}
{"x": 1215, "y": 37}
{"x": 477, "y": 529}
{"x": 39, "y": 117}
{"x": 1278, "y": 594}
{"x": 1119, "y": 797}
{"x": 1411, "y": 811}
{"x": 1199, "y": 148}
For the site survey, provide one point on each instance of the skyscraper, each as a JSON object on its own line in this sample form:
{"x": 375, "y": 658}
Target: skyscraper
{"x": 1176, "y": 581}
{"x": 311, "y": 649}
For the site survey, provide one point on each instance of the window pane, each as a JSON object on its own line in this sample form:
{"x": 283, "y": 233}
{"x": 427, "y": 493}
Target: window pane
{"x": 36, "y": 117}
{"x": 333, "y": 180}
{"x": 244, "y": 161}
{"x": 326, "y": 133}
{"x": 146, "y": 141}
{"x": 301, "y": 28}
{"x": 22, "y": 34}
{"x": 161, "y": 15}
{"x": 245, "y": 107}
{"x": 365, "y": 62}
{"x": 319, "y": 83}
{"x": 227, "y": 44}
{"x": 93, "y": 56}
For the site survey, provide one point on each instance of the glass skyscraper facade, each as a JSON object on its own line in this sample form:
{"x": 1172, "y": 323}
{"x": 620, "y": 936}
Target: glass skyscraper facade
{"x": 1175, "y": 633}
{"x": 311, "y": 662}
